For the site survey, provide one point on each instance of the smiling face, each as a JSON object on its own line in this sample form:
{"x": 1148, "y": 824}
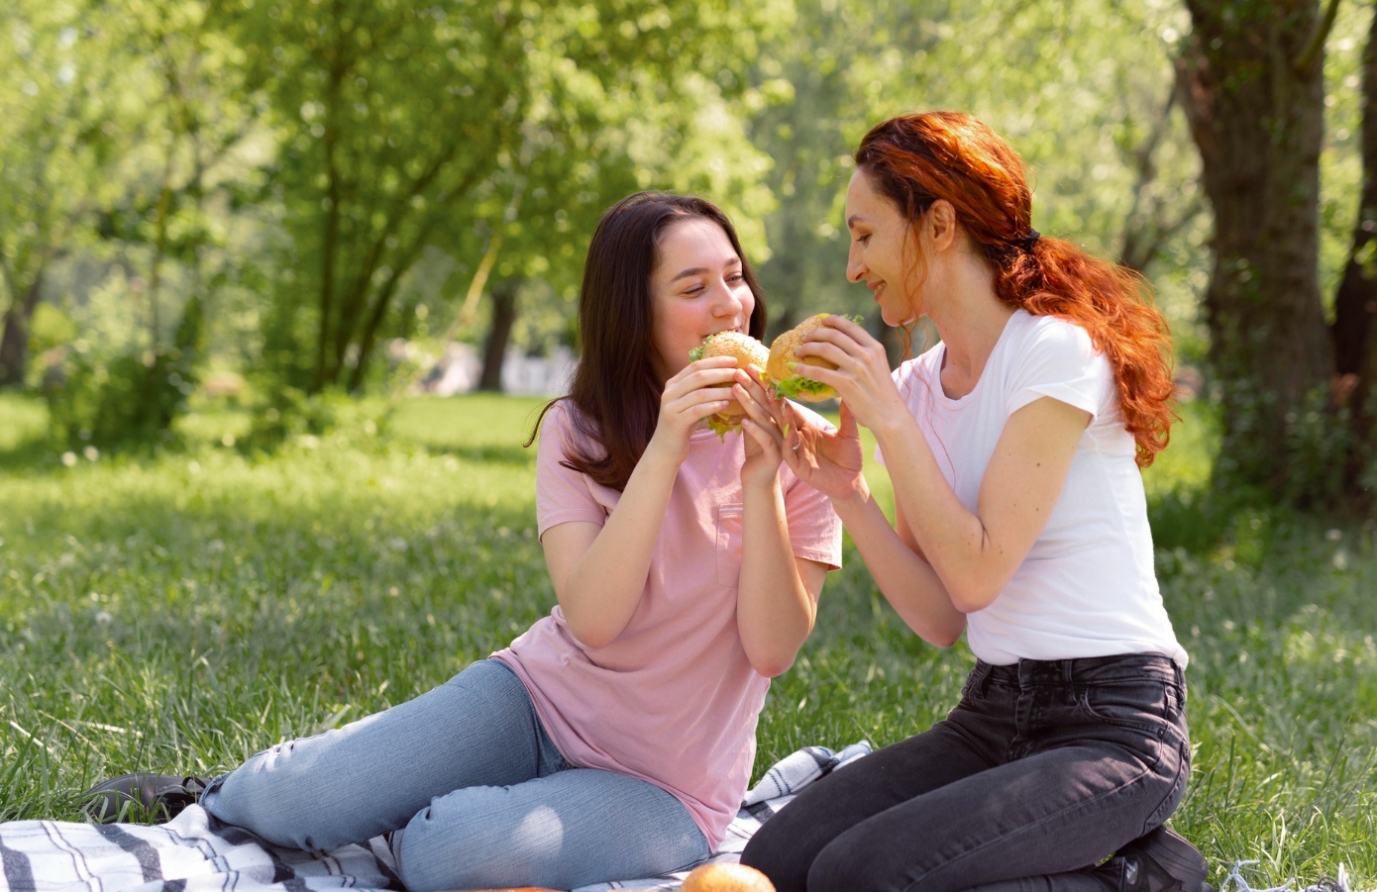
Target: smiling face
{"x": 697, "y": 289}
{"x": 883, "y": 251}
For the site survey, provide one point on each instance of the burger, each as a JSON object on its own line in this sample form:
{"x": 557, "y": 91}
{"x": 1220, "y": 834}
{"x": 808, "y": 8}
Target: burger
{"x": 727, "y": 877}
{"x": 786, "y": 368}
{"x": 747, "y": 351}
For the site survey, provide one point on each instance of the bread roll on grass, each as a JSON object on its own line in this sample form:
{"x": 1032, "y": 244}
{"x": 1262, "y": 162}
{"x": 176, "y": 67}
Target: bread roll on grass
{"x": 727, "y": 878}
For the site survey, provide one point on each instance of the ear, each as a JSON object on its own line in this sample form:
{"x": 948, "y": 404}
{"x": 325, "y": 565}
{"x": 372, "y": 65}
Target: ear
{"x": 941, "y": 224}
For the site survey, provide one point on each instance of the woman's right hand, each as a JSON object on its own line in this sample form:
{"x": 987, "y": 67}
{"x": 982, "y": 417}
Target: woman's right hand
{"x": 829, "y": 461}
{"x": 700, "y": 389}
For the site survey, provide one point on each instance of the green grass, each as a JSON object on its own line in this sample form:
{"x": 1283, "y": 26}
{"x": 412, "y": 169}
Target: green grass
{"x": 183, "y": 611}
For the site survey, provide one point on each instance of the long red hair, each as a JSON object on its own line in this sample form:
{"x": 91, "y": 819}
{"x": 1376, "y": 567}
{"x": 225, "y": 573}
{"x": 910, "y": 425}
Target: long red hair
{"x": 915, "y": 160}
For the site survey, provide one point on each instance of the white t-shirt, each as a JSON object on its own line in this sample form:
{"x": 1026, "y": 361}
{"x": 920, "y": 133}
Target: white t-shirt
{"x": 1087, "y": 587}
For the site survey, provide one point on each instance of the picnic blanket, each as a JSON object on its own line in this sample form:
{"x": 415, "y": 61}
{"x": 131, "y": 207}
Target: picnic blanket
{"x": 196, "y": 853}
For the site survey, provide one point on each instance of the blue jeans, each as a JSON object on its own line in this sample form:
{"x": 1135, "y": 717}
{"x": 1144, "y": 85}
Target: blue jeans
{"x": 471, "y": 787}
{"x": 1042, "y": 769}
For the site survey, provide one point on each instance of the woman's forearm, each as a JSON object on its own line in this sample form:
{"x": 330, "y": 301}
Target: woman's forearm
{"x": 907, "y": 581}
{"x": 774, "y": 610}
{"x": 604, "y": 586}
{"x": 953, "y": 539}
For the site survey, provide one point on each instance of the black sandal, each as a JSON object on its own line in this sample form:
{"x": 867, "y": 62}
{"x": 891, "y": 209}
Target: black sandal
{"x": 163, "y": 796}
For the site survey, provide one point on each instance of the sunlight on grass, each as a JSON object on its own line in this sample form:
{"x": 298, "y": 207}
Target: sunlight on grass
{"x": 22, "y": 420}
{"x": 182, "y": 611}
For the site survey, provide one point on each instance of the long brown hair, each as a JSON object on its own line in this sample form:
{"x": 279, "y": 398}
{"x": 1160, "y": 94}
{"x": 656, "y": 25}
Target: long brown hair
{"x": 915, "y": 160}
{"x": 616, "y": 390}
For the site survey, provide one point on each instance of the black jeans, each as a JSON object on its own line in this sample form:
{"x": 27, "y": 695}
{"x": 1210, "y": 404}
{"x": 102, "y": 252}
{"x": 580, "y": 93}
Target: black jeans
{"x": 1043, "y": 769}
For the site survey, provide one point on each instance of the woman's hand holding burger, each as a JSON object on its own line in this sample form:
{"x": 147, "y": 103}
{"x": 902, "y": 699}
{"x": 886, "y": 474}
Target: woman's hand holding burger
{"x": 860, "y": 372}
{"x": 763, "y": 434}
{"x": 805, "y": 362}
{"x": 698, "y": 391}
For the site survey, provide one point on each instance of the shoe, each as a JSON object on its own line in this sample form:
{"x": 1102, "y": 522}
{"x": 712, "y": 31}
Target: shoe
{"x": 163, "y": 796}
{"x": 1161, "y": 861}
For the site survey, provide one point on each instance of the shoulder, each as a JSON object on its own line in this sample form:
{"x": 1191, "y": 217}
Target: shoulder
{"x": 1049, "y": 345}
{"x": 1049, "y": 356}
{"x": 1050, "y": 334}
{"x": 563, "y": 431}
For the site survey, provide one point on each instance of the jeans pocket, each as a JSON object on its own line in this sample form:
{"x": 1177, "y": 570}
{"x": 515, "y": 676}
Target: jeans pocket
{"x": 1140, "y": 704}
{"x": 729, "y": 527}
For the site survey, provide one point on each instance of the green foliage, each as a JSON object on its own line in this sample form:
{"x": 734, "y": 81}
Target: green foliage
{"x": 1081, "y": 92}
{"x": 126, "y": 399}
{"x": 479, "y": 129}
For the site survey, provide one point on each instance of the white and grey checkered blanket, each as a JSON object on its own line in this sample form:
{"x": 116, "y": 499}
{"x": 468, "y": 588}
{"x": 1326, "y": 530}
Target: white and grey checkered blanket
{"x": 195, "y": 853}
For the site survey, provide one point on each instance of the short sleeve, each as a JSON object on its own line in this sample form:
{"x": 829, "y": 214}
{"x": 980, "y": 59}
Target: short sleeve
{"x": 815, "y": 531}
{"x": 562, "y": 494}
{"x": 1059, "y": 360}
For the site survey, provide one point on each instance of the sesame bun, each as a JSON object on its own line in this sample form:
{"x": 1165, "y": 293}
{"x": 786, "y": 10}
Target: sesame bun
{"x": 747, "y": 351}
{"x": 784, "y": 364}
{"x": 727, "y": 878}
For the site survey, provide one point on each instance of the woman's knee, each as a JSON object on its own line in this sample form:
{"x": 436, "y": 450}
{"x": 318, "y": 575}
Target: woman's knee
{"x": 776, "y": 854}
{"x": 859, "y": 859}
{"x": 448, "y": 846}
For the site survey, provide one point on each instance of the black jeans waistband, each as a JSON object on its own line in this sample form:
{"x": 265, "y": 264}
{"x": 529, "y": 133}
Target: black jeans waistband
{"x": 1080, "y": 671}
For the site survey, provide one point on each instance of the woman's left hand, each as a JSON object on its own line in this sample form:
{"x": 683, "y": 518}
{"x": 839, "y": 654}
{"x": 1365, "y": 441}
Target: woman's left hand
{"x": 862, "y": 377}
{"x": 764, "y": 439}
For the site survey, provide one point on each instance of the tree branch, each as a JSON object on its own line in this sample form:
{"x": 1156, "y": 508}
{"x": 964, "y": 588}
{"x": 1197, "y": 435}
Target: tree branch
{"x": 1310, "y": 56}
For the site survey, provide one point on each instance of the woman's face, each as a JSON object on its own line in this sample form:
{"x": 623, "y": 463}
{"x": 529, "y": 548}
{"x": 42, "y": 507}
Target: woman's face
{"x": 882, "y": 250}
{"x": 697, "y": 290}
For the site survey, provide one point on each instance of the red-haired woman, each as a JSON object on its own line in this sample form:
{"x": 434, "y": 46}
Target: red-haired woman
{"x": 1014, "y": 447}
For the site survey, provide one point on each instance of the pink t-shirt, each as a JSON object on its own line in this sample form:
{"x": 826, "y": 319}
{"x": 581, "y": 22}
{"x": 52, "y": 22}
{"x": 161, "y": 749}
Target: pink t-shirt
{"x": 673, "y": 700}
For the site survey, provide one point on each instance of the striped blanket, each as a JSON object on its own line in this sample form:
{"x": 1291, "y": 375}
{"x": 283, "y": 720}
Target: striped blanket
{"x": 196, "y": 853}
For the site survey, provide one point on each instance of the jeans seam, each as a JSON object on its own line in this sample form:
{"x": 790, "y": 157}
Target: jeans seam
{"x": 1033, "y": 826}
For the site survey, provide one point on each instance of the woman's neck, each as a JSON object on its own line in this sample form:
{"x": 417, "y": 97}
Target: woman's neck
{"x": 970, "y": 318}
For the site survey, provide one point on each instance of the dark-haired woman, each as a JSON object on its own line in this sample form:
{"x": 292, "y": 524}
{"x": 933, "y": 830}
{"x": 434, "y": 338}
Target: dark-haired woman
{"x": 615, "y": 738}
{"x": 1014, "y": 447}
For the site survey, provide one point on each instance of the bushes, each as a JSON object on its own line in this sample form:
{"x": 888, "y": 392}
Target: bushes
{"x": 128, "y": 399}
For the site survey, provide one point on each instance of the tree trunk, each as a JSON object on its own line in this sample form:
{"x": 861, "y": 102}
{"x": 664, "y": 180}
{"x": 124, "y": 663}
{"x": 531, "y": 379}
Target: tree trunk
{"x": 14, "y": 342}
{"x": 499, "y": 334}
{"x": 1355, "y": 303}
{"x": 325, "y": 372}
{"x": 1253, "y": 95}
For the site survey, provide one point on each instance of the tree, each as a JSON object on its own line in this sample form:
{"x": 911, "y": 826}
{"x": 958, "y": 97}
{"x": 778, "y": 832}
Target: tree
{"x": 54, "y": 151}
{"x": 399, "y": 118}
{"x": 1253, "y": 87}
{"x": 1355, "y": 302}
{"x": 1078, "y": 92}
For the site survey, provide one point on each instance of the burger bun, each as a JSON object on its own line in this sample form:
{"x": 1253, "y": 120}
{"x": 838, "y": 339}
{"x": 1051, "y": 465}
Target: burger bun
{"x": 727, "y": 878}
{"x": 785, "y": 364}
{"x": 747, "y": 352}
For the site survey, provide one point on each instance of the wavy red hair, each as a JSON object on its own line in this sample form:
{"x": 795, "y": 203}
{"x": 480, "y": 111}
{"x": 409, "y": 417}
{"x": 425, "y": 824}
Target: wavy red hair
{"x": 915, "y": 160}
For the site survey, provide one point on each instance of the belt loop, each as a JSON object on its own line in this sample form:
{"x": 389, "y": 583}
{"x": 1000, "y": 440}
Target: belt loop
{"x": 1068, "y": 673}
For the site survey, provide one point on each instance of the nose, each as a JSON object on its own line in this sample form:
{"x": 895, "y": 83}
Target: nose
{"x": 855, "y": 264}
{"x": 729, "y": 301}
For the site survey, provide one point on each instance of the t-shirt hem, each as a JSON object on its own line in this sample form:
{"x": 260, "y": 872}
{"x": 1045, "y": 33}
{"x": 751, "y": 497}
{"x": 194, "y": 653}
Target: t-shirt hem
{"x": 826, "y": 556}
{"x": 570, "y": 516}
{"x": 1059, "y": 392}
{"x": 714, "y": 839}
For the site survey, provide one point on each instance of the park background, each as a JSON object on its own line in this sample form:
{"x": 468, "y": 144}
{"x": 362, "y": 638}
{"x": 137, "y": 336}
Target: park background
{"x": 241, "y": 239}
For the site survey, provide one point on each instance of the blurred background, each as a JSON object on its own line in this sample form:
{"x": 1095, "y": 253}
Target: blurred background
{"x": 262, "y": 207}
